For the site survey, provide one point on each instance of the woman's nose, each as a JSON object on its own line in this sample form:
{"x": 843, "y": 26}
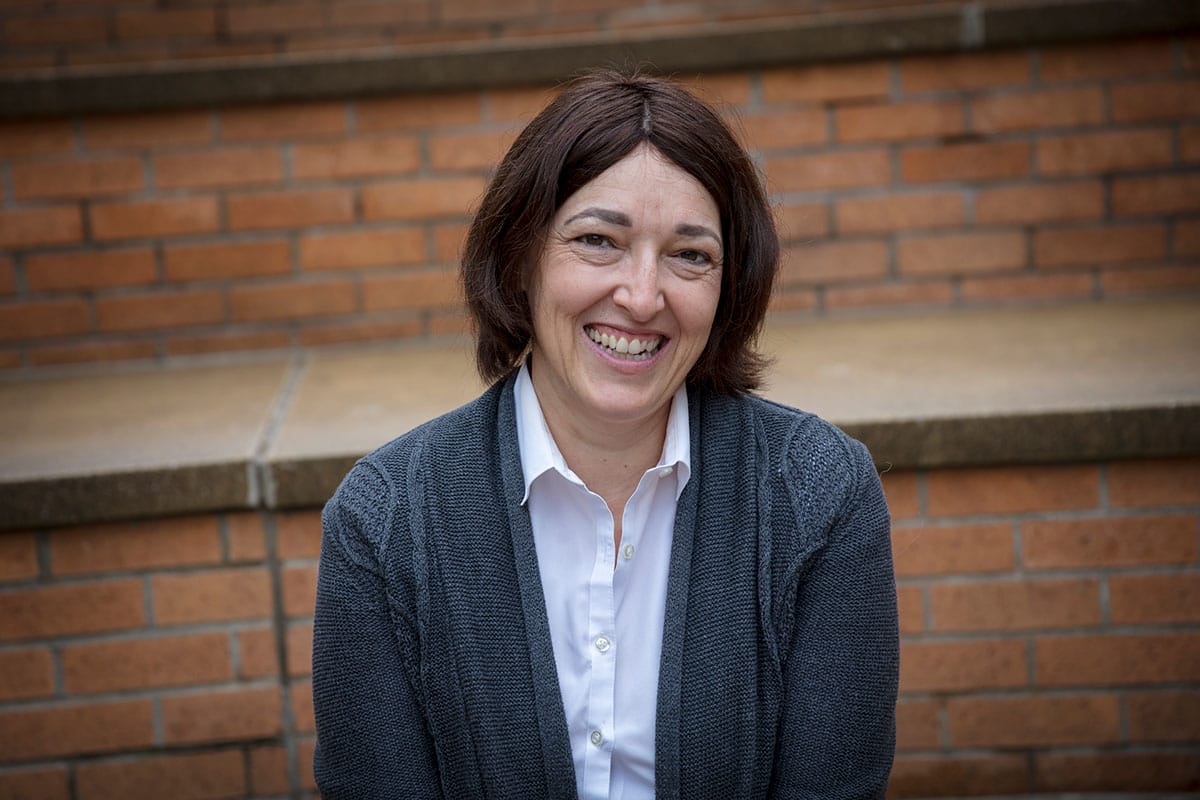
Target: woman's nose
{"x": 639, "y": 291}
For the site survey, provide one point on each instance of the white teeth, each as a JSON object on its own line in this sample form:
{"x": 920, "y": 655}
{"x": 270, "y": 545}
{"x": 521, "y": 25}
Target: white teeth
{"x": 633, "y": 348}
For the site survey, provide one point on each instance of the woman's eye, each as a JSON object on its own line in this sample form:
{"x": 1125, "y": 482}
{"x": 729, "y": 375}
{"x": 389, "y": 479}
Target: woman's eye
{"x": 694, "y": 256}
{"x": 594, "y": 240}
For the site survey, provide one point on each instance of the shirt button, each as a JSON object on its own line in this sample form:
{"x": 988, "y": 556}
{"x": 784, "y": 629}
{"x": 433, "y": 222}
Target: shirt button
{"x": 602, "y": 644}
{"x": 597, "y": 738}
{"x": 665, "y": 472}
{"x": 627, "y": 552}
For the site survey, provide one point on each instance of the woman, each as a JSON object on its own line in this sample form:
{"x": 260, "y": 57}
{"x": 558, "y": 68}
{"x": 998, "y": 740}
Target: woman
{"x": 616, "y": 574}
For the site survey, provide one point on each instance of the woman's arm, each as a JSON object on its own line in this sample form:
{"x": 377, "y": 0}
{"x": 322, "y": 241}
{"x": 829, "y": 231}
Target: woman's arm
{"x": 841, "y": 668}
{"x": 372, "y": 738}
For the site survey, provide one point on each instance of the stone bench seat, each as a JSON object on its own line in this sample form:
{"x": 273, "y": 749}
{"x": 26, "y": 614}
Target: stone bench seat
{"x": 996, "y": 386}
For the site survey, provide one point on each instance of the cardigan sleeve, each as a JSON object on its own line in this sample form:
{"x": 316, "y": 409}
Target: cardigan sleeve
{"x": 372, "y": 736}
{"x": 841, "y": 664}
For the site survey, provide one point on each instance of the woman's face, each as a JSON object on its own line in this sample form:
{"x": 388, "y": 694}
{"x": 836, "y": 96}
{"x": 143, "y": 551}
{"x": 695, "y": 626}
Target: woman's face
{"x": 624, "y": 292}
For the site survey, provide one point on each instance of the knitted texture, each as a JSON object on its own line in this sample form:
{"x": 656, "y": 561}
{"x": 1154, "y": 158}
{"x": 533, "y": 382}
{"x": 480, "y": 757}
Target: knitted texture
{"x": 433, "y": 671}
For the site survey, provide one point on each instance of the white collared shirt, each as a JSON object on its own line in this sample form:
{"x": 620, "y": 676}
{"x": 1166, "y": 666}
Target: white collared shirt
{"x": 606, "y": 624}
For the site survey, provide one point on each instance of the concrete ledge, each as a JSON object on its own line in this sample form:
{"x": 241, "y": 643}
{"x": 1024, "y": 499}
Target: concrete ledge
{"x": 961, "y": 388}
{"x": 939, "y": 28}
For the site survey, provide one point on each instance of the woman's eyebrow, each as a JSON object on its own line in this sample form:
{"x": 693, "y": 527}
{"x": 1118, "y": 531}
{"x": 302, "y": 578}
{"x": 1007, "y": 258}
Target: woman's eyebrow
{"x": 604, "y": 215}
{"x": 698, "y": 230}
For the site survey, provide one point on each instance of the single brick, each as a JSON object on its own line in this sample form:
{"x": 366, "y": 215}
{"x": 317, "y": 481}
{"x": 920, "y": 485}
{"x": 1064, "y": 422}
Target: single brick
{"x": 18, "y": 556}
{"x": 121, "y": 546}
{"x": 190, "y": 776}
{"x": 298, "y": 534}
{"x": 302, "y": 707}
{"x": 91, "y": 269}
{"x": 289, "y": 121}
{"x": 425, "y": 289}
{"x": 802, "y": 221}
{"x": 783, "y": 129}
{"x": 357, "y": 158}
{"x": 1172, "y": 716}
{"x": 962, "y": 666}
{"x": 981, "y": 70}
{"x": 57, "y": 29}
{"x": 1039, "y": 110}
{"x": 1016, "y": 604}
{"x": 362, "y": 248}
{"x": 43, "y": 319}
{"x": 1108, "y": 59}
{"x": 448, "y": 241}
{"x": 243, "y": 166}
{"x": 911, "y": 604}
{"x": 939, "y": 293}
{"x": 897, "y": 121}
{"x": 1118, "y": 660}
{"x": 246, "y": 536}
{"x": 1046, "y": 721}
{"x": 292, "y": 209}
{"x": 75, "y": 730}
{"x": 522, "y": 104}
{"x": 960, "y": 253}
{"x": 1189, "y": 143}
{"x": 211, "y": 596}
{"x": 299, "y": 591}
{"x": 899, "y": 212}
{"x": 1160, "y": 194}
{"x": 827, "y": 83}
{"x": 1146, "y": 281}
{"x": 376, "y": 14}
{"x": 1109, "y": 542}
{"x": 26, "y": 674}
{"x": 142, "y": 663}
{"x": 1109, "y": 245}
{"x": 227, "y": 342}
{"x": 958, "y": 775}
{"x": 259, "y": 654}
{"x": 837, "y": 170}
{"x": 38, "y": 783}
{"x": 902, "y": 493}
{"x": 461, "y": 11}
{"x": 38, "y": 613}
{"x": 241, "y": 714}
{"x": 149, "y": 130}
{"x": 1187, "y": 238}
{"x": 428, "y": 198}
{"x": 33, "y": 227}
{"x": 169, "y": 23}
{"x": 299, "y": 649}
{"x": 834, "y": 262}
{"x": 153, "y": 218}
{"x": 317, "y": 335}
{"x": 1158, "y": 482}
{"x": 254, "y": 19}
{"x": 917, "y": 725}
{"x": 151, "y": 311}
{"x": 35, "y": 137}
{"x": 90, "y": 177}
{"x": 1156, "y": 100}
{"x": 1119, "y": 771}
{"x": 1109, "y": 151}
{"x": 965, "y": 162}
{"x": 221, "y": 260}
{"x": 292, "y": 301}
{"x": 941, "y": 550}
{"x": 304, "y": 757}
{"x": 1038, "y": 203}
{"x": 8, "y": 276}
{"x": 468, "y": 151}
{"x": 269, "y": 771}
{"x": 1154, "y": 599}
{"x": 1026, "y": 287}
{"x": 91, "y": 352}
{"x": 419, "y": 111}
{"x": 1007, "y": 490}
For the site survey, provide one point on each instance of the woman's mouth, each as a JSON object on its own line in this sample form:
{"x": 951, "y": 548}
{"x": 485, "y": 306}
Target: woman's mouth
{"x": 634, "y": 349}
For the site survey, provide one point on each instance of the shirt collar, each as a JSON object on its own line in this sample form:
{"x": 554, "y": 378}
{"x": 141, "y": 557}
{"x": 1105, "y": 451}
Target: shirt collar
{"x": 540, "y": 454}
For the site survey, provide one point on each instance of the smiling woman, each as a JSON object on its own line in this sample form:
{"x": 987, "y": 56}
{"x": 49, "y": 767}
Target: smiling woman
{"x": 617, "y": 574}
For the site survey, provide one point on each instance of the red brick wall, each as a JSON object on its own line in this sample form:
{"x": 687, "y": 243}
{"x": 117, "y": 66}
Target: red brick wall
{"x": 1042, "y": 175}
{"x": 46, "y": 33}
{"x": 1050, "y": 619}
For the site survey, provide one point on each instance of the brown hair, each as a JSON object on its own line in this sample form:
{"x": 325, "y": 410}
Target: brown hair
{"x": 596, "y": 121}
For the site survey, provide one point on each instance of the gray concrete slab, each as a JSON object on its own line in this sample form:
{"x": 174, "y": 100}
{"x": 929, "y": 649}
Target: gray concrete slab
{"x": 133, "y": 443}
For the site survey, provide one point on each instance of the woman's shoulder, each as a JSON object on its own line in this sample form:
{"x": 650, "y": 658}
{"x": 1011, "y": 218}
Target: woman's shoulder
{"x": 795, "y": 436}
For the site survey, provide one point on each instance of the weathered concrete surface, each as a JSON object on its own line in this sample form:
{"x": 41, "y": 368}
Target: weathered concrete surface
{"x": 1001, "y": 386}
{"x": 932, "y": 28}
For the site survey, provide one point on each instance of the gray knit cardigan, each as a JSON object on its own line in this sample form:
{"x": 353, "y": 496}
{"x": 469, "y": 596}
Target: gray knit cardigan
{"x": 433, "y": 672}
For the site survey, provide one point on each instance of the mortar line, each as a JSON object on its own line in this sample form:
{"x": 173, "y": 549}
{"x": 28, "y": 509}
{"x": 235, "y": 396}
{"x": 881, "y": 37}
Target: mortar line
{"x": 261, "y": 488}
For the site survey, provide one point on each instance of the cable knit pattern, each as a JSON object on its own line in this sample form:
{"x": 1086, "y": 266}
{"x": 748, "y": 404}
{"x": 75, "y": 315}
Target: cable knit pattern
{"x": 433, "y": 671}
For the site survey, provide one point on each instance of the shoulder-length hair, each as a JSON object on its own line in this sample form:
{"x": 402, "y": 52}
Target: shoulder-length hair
{"x": 592, "y": 124}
